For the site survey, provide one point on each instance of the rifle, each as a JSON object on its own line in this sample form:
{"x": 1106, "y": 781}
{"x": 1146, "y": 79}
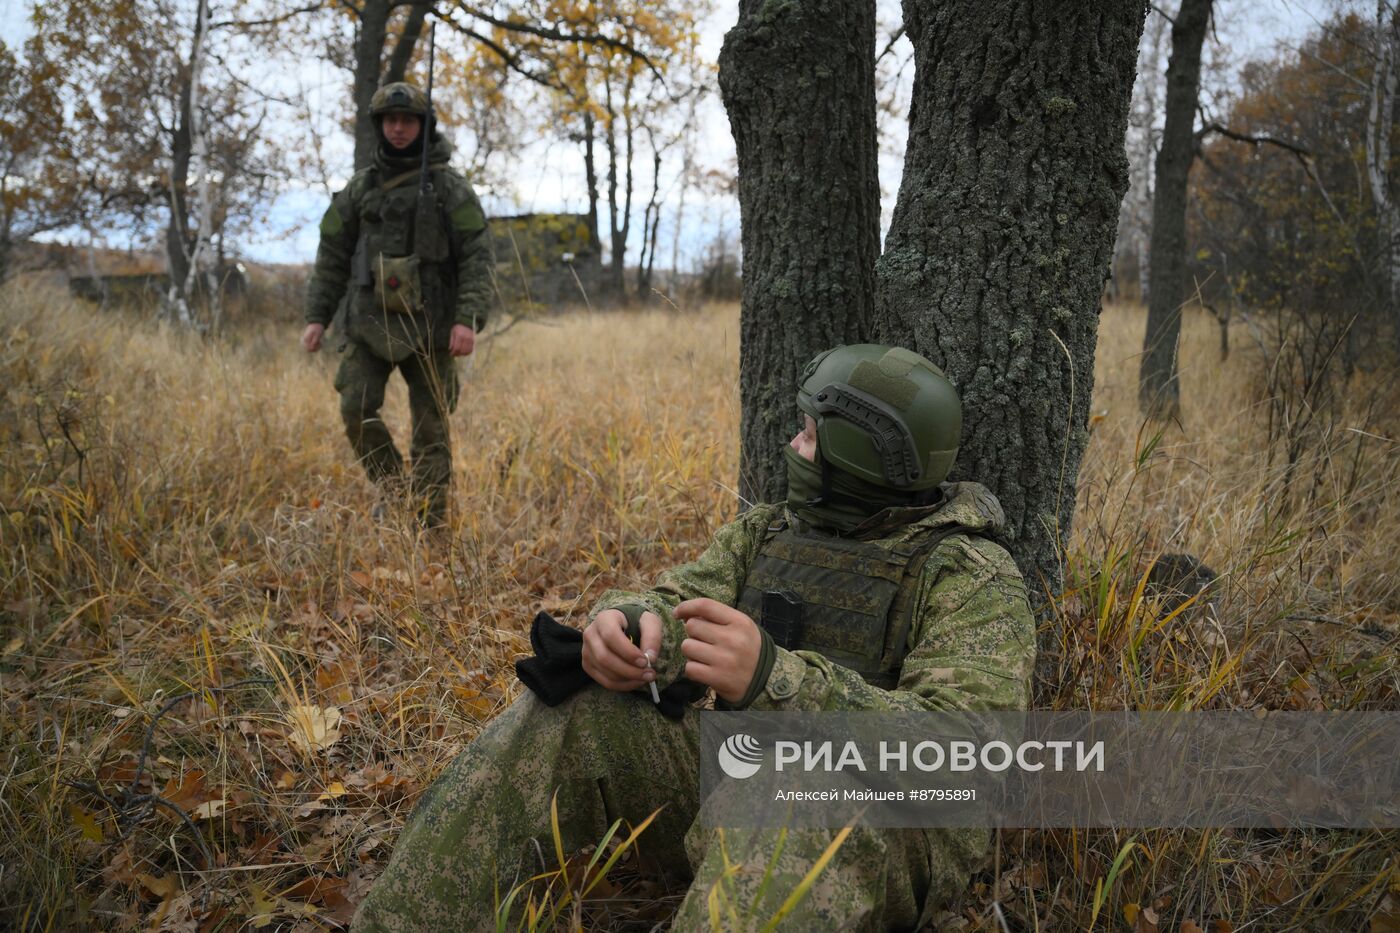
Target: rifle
{"x": 429, "y": 238}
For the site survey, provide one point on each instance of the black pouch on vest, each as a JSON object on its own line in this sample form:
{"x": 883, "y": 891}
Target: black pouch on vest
{"x": 781, "y": 617}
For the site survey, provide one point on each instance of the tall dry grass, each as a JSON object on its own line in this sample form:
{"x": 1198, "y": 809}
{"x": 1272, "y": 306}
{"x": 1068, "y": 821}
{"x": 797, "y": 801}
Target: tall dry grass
{"x": 182, "y": 516}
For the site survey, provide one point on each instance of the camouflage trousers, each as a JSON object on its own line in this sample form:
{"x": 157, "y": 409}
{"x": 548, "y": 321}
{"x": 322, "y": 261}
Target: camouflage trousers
{"x": 484, "y": 827}
{"x": 432, "y": 395}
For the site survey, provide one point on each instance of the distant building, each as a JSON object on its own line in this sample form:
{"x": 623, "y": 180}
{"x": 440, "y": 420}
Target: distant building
{"x": 545, "y": 259}
{"x": 147, "y": 289}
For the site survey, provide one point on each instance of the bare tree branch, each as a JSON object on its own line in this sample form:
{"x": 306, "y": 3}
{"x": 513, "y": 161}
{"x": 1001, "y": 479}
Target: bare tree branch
{"x": 1303, "y": 154}
{"x": 241, "y": 24}
{"x": 508, "y": 58}
{"x": 555, "y": 35}
{"x": 889, "y": 46}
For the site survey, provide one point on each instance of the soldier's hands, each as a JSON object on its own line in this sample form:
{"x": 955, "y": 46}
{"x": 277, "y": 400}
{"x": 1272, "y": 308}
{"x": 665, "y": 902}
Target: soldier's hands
{"x": 462, "y": 341}
{"x": 611, "y": 659}
{"x": 721, "y": 648}
{"x": 311, "y": 337}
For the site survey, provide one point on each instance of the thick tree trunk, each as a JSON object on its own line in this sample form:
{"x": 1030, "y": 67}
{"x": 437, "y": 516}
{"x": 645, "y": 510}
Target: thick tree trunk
{"x": 1002, "y": 236}
{"x": 1159, "y": 391}
{"x": 798, "y": 81}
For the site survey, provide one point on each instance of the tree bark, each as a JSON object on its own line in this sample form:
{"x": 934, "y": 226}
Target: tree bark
{"x": 1380, "y": 121}
{"x": 1159, "y": 390}
{"x": 798, "y": 82}
{"x": 369, "y": 55}
{"x": 1002, "y": 236}
{"x": 590, "y": 171}
{"x": 403, "y": 48}
{"x": 177, "y": 232}
{"x": 651, "y": 222}
{"x": 619, "y": 215}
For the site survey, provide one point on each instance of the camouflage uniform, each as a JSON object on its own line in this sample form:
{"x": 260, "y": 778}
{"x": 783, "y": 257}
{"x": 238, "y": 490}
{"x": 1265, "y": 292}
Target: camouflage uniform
{"x": 373, "y": 217}
{"x": 610, "y": 755}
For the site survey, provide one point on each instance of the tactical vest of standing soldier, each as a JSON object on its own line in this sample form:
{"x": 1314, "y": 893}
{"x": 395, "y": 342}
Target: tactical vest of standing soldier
{"x": 404, "y": 269}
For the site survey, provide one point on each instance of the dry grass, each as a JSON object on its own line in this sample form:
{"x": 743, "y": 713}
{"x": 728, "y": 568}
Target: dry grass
{"x": 182, "y": 516}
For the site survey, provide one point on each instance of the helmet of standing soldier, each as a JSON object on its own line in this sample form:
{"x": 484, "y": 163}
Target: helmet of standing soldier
{"x": 399, "y": 97}
{"x": 884, "y": 414}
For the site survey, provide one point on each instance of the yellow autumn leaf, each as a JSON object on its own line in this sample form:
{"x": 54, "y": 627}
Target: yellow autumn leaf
{"x": 86, "y": 823}
{"x": 162, "y": 887}
{"x": 262, "y": 908}
{"x": 334, "y": 790}
{"x": 314, "y": 728}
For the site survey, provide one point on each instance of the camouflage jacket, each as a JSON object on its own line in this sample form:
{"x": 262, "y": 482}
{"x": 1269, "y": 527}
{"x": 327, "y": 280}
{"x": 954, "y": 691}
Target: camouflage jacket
{"x": 971, "y": 644}
{"x": 354, "y": 212}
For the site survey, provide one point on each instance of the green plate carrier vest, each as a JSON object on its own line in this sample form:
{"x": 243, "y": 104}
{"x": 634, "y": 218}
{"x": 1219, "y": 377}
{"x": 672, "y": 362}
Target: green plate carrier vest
{"x": 387, "y": 212}
{"x": 851, "y": 601}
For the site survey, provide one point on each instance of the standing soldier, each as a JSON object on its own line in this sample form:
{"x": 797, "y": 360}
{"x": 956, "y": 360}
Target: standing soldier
{"x": 406, "y": 251}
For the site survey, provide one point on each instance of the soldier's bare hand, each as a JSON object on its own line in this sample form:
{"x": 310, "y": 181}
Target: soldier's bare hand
{"x": 311, "y": 337}
{"x": 611, "y": 659}
{"x": 721, "y": 648}
{"x": 462, "y": 340}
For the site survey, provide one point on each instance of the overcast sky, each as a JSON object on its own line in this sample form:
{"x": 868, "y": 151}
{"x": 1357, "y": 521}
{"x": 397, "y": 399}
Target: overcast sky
{"x": 549, "y": 175}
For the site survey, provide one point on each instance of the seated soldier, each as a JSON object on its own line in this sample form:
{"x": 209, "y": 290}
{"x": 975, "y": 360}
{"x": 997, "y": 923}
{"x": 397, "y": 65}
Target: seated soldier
{"x": 865, "y": 488}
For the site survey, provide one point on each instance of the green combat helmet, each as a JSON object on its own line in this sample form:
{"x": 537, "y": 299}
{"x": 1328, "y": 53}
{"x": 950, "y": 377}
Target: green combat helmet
{"x": 399, "y": 97}
{"x": 884, "y": 414}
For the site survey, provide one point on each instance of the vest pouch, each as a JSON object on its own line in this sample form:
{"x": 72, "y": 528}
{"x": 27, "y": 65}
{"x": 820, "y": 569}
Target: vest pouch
{"x": 397, "y": 284}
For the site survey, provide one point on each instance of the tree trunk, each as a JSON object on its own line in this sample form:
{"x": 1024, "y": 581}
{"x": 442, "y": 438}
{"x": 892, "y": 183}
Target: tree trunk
{"x": 590, "y": 171}
{"x": 651, "y": 221}
{"x": 6, "y": 226}
{"x": 403, "y": 49}
{"x": 1159, "y": 391}
{"x": 610, "y": 140}
{"x": 1002, "y": 237}
{"x": 619, "y": 214}
{"x": 369, "y": 54}
{"x": 177, "y": 235}
{"x": 798, "y": 82}
{"x": 1380, "y": 121}
{"x": 1150, "y": 75}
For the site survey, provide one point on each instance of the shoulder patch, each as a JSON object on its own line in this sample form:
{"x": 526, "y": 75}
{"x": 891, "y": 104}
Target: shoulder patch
{"x": 467, "y": 217}
{"x": 331, "y": 222}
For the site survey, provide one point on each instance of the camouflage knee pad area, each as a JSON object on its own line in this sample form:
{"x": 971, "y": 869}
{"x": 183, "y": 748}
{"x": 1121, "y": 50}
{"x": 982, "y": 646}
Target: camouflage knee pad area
{"x": 479, "y": 829}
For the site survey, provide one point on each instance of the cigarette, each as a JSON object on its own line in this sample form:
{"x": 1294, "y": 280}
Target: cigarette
{"x": 655, "y": 694}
